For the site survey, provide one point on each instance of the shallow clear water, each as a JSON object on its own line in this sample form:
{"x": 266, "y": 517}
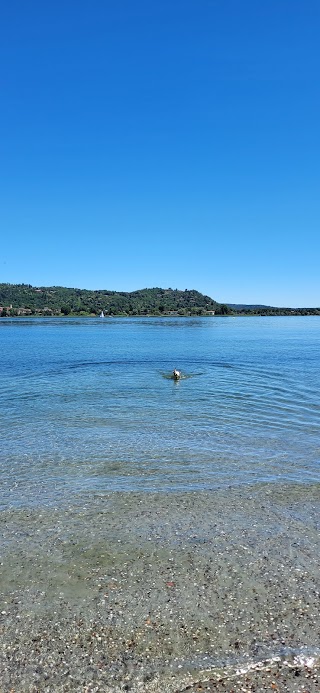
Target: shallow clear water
{"x": 151, "y": 528}
{"x": 87, "y": 404}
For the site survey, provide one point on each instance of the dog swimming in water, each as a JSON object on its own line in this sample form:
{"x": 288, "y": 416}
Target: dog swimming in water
{"x": 176, "y": 374}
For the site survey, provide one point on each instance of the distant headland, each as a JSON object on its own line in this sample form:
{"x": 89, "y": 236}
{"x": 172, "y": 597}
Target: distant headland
{"x": 25, "y": 300}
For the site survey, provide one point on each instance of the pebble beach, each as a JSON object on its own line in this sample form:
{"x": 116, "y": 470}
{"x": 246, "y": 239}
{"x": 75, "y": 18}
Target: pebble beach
{"x": 213, "y": 591}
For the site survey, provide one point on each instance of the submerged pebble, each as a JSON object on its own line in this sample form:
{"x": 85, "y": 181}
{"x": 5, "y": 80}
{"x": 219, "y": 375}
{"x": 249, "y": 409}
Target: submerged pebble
{"x": 189, "y": 591}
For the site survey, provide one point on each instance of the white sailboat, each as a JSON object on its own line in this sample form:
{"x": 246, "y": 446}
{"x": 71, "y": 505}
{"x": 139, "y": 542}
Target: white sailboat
{"x": 101, "y": 314}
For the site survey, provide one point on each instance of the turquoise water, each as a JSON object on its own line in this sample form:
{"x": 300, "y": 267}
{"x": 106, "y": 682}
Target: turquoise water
{"x": 87, "y": 405}
{"x": 157, "y": 532}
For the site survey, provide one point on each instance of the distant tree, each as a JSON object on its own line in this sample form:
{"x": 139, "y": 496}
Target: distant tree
{"x": 223, "y": 309}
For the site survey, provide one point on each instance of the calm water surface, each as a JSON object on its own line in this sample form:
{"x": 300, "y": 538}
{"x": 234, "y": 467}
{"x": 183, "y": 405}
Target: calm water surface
{"x": 87, "y": 405}
{"x": 151, "y": 529}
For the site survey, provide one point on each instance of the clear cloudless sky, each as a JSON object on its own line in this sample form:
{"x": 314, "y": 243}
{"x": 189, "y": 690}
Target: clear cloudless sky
{"x": 170, "y": 143}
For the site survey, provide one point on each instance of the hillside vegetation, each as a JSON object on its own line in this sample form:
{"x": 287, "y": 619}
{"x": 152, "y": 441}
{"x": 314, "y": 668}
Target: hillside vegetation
{"x": 241, "y": 309}
{"x": 24, "y": 299}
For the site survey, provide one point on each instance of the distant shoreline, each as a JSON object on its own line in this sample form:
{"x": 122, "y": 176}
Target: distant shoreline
{"x": 298, "y": 313}
{"x": 25, "y": 300}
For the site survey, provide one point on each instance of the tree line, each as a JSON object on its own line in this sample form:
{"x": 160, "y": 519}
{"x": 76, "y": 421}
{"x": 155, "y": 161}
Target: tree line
{"x": 25, "y": 299}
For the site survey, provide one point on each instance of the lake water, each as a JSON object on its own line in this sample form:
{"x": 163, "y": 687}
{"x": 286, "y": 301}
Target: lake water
{"x": 86, "y": 404}
{"x": 181, "y": 518}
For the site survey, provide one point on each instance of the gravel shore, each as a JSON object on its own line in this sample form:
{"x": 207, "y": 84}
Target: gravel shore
{"x": 202, "y": 591}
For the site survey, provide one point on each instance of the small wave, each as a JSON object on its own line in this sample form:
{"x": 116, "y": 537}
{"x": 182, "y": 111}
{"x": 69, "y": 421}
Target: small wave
{"x": 190, "y": 675}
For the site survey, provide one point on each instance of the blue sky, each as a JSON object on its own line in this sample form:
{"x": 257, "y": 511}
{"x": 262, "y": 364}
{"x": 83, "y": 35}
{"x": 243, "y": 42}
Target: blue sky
{"x": 162, "y": 144}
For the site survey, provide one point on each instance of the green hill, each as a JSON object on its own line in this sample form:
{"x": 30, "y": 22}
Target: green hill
{"x": 24, "y": 299}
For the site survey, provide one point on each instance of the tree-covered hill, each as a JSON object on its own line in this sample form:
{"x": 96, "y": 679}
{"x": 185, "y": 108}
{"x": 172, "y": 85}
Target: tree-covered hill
{"x": 24, "y": 299}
